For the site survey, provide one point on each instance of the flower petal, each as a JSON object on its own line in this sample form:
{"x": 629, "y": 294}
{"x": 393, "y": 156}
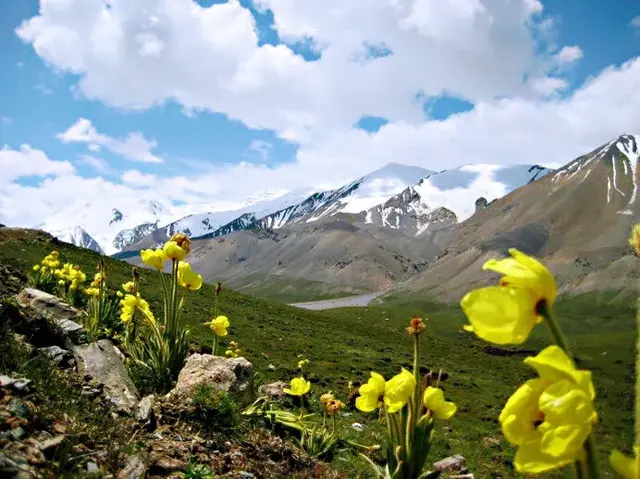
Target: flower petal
{"x": 500, "y": 315}
{"x": 623, "y": 465}
{"x": 521, "y": 412}
{"x": 530, "y": 459}
{"x": 553, "y": 363}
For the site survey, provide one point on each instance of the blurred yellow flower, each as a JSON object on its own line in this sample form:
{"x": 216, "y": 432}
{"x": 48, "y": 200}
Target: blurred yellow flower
{"x": 371, "y": 393}
{"x": 507, "y": 313}
{"x": 625, "y": 466}
{"x": 398, "y": 390}
{"x": 154, "y": 258}
{"x": 187, "y": 278}
{"x": 61, "y": 282}
{"x": 302, "y": 363}
{"x": 326, "y": 398}
{"x": 550, "y": 418}
{"x": 219, "y": 325}
{"x": 634, "y": 239}
{"x": 299, "y": 387}
{"x": 36, "y": 267}
{"x": 129, "y": 287}
{"x": 94, "y": 292}
{"x": 119, "y": 294}
{"x": 173, "y": 251}
{"x": 433, "y": 399}
{"x": 334, "y": 406}
{"x": 130, "y": 304}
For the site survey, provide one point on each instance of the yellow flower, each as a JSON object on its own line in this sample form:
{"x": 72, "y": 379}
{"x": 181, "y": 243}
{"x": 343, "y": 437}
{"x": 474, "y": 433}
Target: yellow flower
{"x": 398, "y": 390}
{"x": 634, "y": 239}
{"x": 219, "y": 325}
{"x": 302, "y": 363}
{"x": 299, "y": 387}
{"x": 187, "y": 278}
{"x": 61, "y": 282}
{"x": 507, "y": 313}
{"x": 326, "y": 398}
{"x": 230, "y": 353}
{"x": 371, "y": 393}
{"x": 624, "y": 465}
{"x": 130, "y": 304}
{"x": 129, "y": 287}
{"x": 154, "y": 258}
{"x": 549, "y": 418}
{"x": 183, "y": 241}
{"x": 36, "y": 267}
{"x": 173, "y": 251}
{"x": 433, "y": 399}
{"x": 95, "y": 292}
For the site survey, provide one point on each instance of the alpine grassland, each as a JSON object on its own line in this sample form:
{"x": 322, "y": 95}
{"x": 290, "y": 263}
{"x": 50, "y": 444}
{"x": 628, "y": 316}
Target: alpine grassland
{"x": 444, "y": 375}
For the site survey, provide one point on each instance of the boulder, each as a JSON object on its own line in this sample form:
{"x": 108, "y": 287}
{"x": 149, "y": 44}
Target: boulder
{"x": 103, "y": 363}
{"x": 57, "y": 355}
{"x": 273, "y": 390}
{"x": 145, "y": 413}
{"x": 231, "y": 375}
{"x": 453, "y": 464}
{"x": 62, "y": 318}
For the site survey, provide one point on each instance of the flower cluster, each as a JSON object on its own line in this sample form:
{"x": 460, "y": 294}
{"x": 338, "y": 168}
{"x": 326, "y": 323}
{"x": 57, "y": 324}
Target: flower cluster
{"x": 303, "y": 363}
{"x": 71, "y": 275}
{"x": 132, "y": 303}
{"x": 233, "y": 351}
{"x": 50, "y": 263}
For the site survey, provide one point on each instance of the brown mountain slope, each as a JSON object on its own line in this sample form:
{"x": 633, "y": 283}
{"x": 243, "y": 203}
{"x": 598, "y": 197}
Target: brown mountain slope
{"x": 577, "y": 219}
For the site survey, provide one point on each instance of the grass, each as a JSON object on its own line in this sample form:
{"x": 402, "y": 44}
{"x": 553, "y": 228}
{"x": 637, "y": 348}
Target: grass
{"x": 346, "y": 344}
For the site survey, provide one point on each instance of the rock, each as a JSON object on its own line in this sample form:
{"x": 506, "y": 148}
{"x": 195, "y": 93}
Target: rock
{"x": 453, "y": 464}
{"x": 57, "y": 355}
{"x": 271, "y": 367}
{"x": 273, "y": 390}
{"x": 91, "y": 467}
{"x": 102, "y": 362}
{"x": 246, "y": 475}
{"x": 61, "y": 317}
{"x": 136, "y": 468}
{"x": 145, "y": 413}
{"x": 233, "y": 376}
{"x": 17, "y": 384}
{"x": 18, "y": 408}
{"x": 357, "y": 426}
{"x": 163, "y": 464}
{"x": 49, "y": 446}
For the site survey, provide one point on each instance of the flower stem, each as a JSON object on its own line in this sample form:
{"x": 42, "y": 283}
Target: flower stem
{"x": 591, "y": 463}
{"x": 215, "y": 345}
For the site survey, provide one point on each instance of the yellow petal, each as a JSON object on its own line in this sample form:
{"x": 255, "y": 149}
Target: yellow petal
{"x": 370, "y": 393}
{"x": 500, "y": 315}
{"x": 623, "y": 465}
{"x": 531, "y": 460}
{"x": 398, "y": 390}
{"x": 433, "y": 399}
{"x": 553, "y": 363}
{"x": 521, "y": 412}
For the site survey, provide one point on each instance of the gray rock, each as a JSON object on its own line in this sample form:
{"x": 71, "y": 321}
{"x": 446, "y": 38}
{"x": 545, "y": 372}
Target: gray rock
{"x": 273, "y": 390}
{"x": 246, "y": 475}
{"x": 18, "y": 408}
{"x": 91, "y": 467}
{"x": 233, "y": 376}
{"x": 57, "y": 355}
{"x": 453, "y": 464}
{"x": 357, "y": 426}
{"x": 164, "y": 464}
{"x": 136, "y": 468}
{"x": 145, "y": 412}
{"x": 50, "y": 445}
{"x": 271, "y": 367}
{"x": 62, "y": 317}
{"x": 101, "y": 361}
{"x": 18, "y": 384}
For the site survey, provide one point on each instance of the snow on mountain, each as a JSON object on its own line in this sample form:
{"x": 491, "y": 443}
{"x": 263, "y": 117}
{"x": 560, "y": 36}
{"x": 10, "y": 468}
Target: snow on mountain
{"x": 202, "y": 224}
{"x": 355, "y": 197}
{"x": 441, "y": 199}
{"x": 79, "y": 237}
{"x": 105, "y": 219}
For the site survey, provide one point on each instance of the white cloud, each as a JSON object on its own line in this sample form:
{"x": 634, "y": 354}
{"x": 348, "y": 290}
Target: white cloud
{"x": 261, "y": 148}
{"x": 135, "y": 177}
{"x": 96, "y": 163}
{"x": 26, "y": 162}
{"x": 43, "y": 89}
{"x": 93, "y": 147}
{"x": 134, "y": 147}
{"x": 136, "y": 55}
{"x": 569, "y": 54}
{"x": 635, "y": 22}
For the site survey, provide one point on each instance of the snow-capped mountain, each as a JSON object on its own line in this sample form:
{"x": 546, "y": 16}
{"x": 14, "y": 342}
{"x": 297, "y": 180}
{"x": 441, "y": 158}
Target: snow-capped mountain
{"x": 354, "y": 197}
{"x": 443, "y": 198}
{"x": 109, "y": 222}
{"x": 79, "y": 237}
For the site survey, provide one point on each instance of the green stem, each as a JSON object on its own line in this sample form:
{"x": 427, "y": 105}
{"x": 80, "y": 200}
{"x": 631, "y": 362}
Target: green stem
{"x": 591, "y": 463}
{"x": 637, "y": 437}
{"x": 215, "y": 345}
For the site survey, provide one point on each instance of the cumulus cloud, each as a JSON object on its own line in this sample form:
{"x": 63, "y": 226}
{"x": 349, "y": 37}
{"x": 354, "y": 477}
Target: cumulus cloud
{"x": 261, "y": 148}
{"x": 28, "y": 162}
{"x": 135, "y": 55}
{"x": 94, "y": 162}
{"x": 134, "y": 147}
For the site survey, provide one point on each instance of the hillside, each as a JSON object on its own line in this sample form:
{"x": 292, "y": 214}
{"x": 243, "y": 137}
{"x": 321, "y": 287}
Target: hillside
{"x": 577, "y": 219}
{"x": 345, "y": 345}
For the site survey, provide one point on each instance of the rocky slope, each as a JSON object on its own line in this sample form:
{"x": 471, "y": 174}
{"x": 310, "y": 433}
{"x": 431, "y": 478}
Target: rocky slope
{"x": 577, "y": 219}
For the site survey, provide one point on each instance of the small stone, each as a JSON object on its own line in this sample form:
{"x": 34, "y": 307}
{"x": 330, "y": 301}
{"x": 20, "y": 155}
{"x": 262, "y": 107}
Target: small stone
{"x": 246, "y": 475}
{"x": 17, "y": 433}
{"x": 91, "y": 467}
{"x": 145, "y": 412}
{"x": 357, "y": 426}
{"x": 454, "y": 464}
{"x": 52, "y": 444}
{"x": 136, "y": 468}
{"x": 164, "y": 464}
{"x": 273, "y": 390}
{"x": 56, "y": 354}
{"x": 18, "y": 384}
{"x": 18, "y": 408}
{"x": 271, "y": 367}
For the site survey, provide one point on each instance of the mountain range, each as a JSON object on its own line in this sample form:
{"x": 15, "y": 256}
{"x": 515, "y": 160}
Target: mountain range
{"x": 400, "y": 226}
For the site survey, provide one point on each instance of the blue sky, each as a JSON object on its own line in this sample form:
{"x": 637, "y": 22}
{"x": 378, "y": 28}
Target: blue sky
{"x": 332, "y": 121}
